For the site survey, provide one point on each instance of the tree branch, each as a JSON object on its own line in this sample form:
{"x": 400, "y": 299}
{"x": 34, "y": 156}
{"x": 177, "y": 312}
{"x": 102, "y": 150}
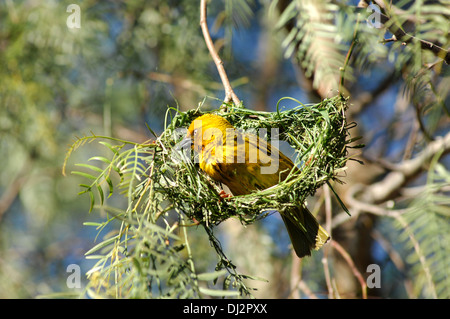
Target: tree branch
{"x": 401, "y": 35}
{"x": 407, "y": 38}
{"x": 381, "y": 191}
{"x": 371, "y": 196}
{"x": 352, "y": 266}
{"x": 229, "y": 93}
{"x": 396, "y": 260}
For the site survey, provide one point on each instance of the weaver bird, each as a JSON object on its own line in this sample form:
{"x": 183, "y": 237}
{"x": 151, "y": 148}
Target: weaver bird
{"x": 245, "y": 163}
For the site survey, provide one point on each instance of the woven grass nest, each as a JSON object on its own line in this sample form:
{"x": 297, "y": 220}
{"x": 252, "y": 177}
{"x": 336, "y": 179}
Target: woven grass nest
{"x": 319, "y": 134}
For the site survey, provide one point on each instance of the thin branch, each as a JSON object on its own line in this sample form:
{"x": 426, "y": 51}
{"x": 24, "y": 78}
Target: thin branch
{"x": 296, "y": 282}
{"x": 400, "y": 35}
{"x": 328, "y": 209}
{"x": 391, "y": 39}
{"x": 396, "y": 260}
{"x": 412, "y": 141}
{"x": 326, "y": 249}
{"x": 367, "y": 207}
{"x": 382, "y": 190}
{"x": 371, "y": 197}
{"x": 419, "y": 118}
{"x": 425, "y": 45}
{"x": 326, "y": 271}
{"x": 352, "y": 266}
{"x": 295, "y": 276}
{"x": 229, "y": 93}
{"x": 347, "y": 57}
{"x": 305, "y": 288}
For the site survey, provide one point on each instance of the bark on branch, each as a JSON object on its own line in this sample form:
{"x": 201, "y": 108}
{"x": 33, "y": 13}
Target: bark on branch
{"x": 367, "y": 198}
{"x": 229, "y": 93}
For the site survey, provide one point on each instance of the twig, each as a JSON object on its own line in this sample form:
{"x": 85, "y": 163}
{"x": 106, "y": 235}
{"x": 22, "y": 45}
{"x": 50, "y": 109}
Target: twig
{"x": 326, "y": 249}
{"x": 365, "y": 206}
{"x": 328, "y": 209}
{"x": 296, "y": 282}
{"x": 412, "y": 141}
{"x": 418, "y": 107}
{"x": 396, "y": 260}
{"x": 304, "y": 287}
{"x": 295, "y": 276}
{"x": 391, "y": 39}
{"x": 347, "y": 57}
{"x": 326, "y": 270}
{"x": 229, "y": 93}
{"x": 374, "y": 195}
{"x": 190, "y": 259}
{"x": 403, "y": 36}
{"x": 352, "y": 266}
{"x": 381, "y": 191}
{"x": 388, "y": 247}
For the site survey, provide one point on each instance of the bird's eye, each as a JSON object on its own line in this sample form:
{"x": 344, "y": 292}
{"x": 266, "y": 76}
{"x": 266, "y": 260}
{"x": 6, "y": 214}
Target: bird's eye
{"x": 195, "y": 132}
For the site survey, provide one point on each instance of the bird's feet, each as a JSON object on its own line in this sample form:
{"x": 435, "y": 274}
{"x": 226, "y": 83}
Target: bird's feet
{"x": 224, "y": 195}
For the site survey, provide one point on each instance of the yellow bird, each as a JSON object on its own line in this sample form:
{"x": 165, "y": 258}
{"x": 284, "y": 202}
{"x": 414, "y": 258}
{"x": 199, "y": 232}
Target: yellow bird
{"x": 246, "y": 163}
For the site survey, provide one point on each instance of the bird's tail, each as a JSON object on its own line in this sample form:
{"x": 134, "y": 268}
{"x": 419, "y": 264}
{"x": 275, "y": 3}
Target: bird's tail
{"x": 304, "y": 230}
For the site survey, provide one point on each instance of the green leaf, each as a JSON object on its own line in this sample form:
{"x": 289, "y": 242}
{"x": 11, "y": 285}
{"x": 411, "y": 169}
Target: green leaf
{"x": 88, "y": 188}
{"x": 95, "y": 257}
{"x": 287, "y": 15}
{"x": 89, "y": 176}
{"x": 151, "y": 131}
{"x": 100, "y": 192}
{"x": 92, "y": 202}
{"x": 101, "y": 245}
{"x": 219, "y": 293}
{"x": 111, "y": 147}
{"x": 93, "y": 224}
{"x": 339, "y": 199}
{"x": 100, "y": 158}
{"x": 325, "y": 115}
{"x": 211, "y": 275}
{"x": 92, "y": 167}
{"x": 111, "y": 187}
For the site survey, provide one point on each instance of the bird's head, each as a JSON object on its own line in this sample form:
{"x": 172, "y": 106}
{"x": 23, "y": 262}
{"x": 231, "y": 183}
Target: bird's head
{"x": 205, "y": 129}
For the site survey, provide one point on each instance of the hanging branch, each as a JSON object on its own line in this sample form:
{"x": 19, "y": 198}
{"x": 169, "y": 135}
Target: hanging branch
{"x": 229, "y": 93}
{"x": 398, "y": 34}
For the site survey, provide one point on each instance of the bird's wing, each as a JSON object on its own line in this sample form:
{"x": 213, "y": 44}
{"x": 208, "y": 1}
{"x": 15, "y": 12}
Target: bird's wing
{"x": 245, "y": 163}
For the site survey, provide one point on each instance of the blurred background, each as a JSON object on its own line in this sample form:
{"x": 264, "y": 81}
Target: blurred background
{"x": 130, "y": 60}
